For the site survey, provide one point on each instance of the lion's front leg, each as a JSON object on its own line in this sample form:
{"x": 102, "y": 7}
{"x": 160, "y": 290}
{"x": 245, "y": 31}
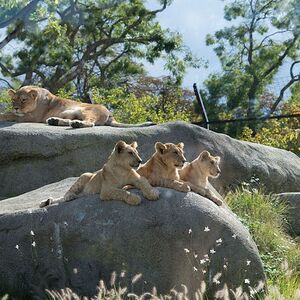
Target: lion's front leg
{"x": 174, "y": 184}
{"x": 9, "y": 117}
{"x": 121, "y": 195}
{"x": 148, "y": 191}
{"x": 205, "y": 192}
{"x": 210, "y": 195}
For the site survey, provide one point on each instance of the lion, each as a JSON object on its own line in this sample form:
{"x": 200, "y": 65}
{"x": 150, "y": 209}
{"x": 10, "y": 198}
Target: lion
{"x": 108, "y": 182}
{"x": 38, "y": 105}
{"x": 162, "y": 168}
{"x": 197, "y": 172}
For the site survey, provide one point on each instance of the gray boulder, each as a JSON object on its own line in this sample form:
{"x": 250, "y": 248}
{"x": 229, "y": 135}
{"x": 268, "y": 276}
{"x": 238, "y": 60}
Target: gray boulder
{"x": 77, "y": 243}
{"x": 292, "y": 201}
{"x": 32, "y": 155}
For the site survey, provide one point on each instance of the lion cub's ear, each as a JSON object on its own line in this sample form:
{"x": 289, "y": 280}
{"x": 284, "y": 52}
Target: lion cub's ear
{"x": 120, "y": 146}
{"x": 11, "y": 93}
{"x": 204, "y": 155}
{"x": 180, "y": 145}
{"x": 33, "y": 94}
{"x": 134, "y": 145}
{"x": 160, "y": 147}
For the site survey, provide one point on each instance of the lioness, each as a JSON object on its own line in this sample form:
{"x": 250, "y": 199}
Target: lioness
{"x": 108, "y": 182}
{"x": 162, "y": 168}
{"x": 197, "y": 172}
{"x": 38, "y": 105}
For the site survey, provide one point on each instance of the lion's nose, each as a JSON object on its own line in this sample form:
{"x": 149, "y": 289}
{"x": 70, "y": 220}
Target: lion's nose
{"x": 140, "y": 161}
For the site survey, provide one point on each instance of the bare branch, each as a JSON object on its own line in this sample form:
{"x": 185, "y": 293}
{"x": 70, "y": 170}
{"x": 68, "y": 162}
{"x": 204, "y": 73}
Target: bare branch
{"x": 294, "y": 78}
{"x": 282, "y": 57}
{"x": 4, "y": 80}
{"x": 268, "y": 36}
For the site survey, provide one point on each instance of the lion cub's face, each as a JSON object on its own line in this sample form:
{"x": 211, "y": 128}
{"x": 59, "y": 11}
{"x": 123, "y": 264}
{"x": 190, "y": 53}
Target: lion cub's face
{"x": 210, "y": 165}
{"x": 171, "y": 154}
{"x": 127, "y": 154}
{"x": 23, "y": 101}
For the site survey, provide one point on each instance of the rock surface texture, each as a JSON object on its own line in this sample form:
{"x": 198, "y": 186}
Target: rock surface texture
{"x": 33, "y": 155}
{"x": 179, "y": 239}
{"x": 292, "y": 201}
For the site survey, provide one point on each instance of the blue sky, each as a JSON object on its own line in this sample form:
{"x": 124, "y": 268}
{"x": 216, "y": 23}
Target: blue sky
{"x": 194, "y": 19}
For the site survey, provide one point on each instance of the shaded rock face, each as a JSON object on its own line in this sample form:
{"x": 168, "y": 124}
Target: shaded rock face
{"x": 32, "y": 155}
{"x": 292, "y": 201}
{"x": 77, "y": 243}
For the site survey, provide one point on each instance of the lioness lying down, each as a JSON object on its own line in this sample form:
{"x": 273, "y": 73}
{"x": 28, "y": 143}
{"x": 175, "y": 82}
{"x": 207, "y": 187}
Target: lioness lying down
{"x": 197, "y": 172}
{"x": 108, "y": 182}
{"x": 38, "y": 105}
{"x": 162, "y": 168}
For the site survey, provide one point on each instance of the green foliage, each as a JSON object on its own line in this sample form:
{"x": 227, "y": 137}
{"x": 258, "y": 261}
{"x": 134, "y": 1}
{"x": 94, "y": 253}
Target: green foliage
{"x": 278, "y": 133}
{"x": 263, "y": 36}
{"x": 265, "y": 216}
{"x": 89, "y": 42}
{"x": 128, "y": 108}
{"x": 4, "y": 98}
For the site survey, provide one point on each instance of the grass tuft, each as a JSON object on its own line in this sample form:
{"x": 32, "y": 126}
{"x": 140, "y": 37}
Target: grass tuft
{"x": 265, "y": 217}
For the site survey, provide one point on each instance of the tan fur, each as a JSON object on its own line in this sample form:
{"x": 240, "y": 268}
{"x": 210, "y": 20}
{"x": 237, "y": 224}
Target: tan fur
{"x": 108, "y": 182}
{"x": 38, "y": 105}
{"x": 197, "y": 172}
{"x": 162, "y": 168}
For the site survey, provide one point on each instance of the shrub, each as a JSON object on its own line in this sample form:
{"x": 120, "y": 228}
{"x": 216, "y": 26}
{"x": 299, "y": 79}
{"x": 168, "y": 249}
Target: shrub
{"x": 265, "y": 217}
{"x": 128, "y": 108}
{"x": 278, "y": 133}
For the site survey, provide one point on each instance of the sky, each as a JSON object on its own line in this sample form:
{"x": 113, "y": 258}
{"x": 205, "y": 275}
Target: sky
{"x": 193, "y": 19}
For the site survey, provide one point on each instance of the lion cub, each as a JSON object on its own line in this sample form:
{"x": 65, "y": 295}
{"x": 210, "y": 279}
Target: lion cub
{"x": 197, "y": 172}
{"x": 162, "y": 168}
{"x": 108, "y": 182}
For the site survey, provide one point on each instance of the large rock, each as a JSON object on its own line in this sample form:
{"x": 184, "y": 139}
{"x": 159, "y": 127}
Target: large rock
{"x": 32, "y": 155}
{"x": 75, "y": 244}
{"x": 292, "y": 201}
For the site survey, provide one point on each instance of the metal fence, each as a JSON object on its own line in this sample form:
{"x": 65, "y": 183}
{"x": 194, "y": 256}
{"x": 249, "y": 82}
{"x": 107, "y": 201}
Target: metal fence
{"x": 206, "y": 122}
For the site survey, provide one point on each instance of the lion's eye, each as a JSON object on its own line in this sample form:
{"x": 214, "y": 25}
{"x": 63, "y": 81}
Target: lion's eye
{"x": 131, "y": 153}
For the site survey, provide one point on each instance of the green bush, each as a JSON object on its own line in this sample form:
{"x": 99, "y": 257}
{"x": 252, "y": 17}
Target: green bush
{"x": 265, "y": 217}
{"x": 278, "y": 133}
{"x": 128, "y": 108}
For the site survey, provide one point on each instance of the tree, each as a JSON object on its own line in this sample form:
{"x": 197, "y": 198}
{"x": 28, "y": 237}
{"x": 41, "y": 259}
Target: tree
{"x": 82, "y": 42}
{"x": 265, "y": 35}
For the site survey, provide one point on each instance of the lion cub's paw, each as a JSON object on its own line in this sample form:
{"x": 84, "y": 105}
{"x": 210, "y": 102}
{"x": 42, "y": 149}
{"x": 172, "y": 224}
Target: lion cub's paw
{"x": 133, "y": 199}
{"x": 45, "y": 203}
{"x": 184, "y": 188}
{"x": 217, "y": 200}
{"x": 152, "y": 195}
{"x": 52, "y": 121}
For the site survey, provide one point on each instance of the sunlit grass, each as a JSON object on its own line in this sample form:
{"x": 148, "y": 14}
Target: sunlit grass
{"x": 265, "y": 216}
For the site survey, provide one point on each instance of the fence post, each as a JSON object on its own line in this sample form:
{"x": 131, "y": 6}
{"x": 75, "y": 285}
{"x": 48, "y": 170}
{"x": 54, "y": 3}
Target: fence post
{"x": 201, "y": 104}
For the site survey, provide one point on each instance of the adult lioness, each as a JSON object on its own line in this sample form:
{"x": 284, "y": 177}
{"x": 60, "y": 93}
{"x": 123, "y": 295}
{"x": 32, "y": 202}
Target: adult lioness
{"x": 197, "y": 172}
{"x": 162, "y": 168}
{"x": 38, "y": 105}
{"x": 108, "y": 182}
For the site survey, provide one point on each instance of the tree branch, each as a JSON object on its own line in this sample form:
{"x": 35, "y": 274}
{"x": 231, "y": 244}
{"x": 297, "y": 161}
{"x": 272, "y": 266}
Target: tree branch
{"x": 281, "y": 58}
{"x": 293, "y": 79}
{"x": 23, "y": 14}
